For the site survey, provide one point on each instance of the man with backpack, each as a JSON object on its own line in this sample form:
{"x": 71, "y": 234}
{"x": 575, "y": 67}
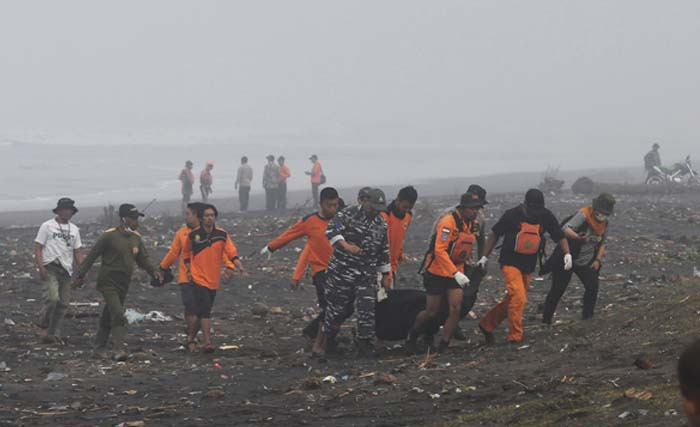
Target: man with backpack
{"x": 522, "y": 229}
{"x": 450, "y": 247}
{"x": 586, "y": 233}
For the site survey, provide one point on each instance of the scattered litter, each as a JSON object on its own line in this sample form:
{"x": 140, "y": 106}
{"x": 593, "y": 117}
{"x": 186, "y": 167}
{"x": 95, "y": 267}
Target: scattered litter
{"x": 434, "y": 396}
{"x": 633, "y": 393}
{"x": 4, "y": 368}
{"x": 330, "y": 379}
{"x": 311, "y": 383}
{"x": 131, "y": 424}
{"x": 633, "y": 414}
{"x": 417, "y": 390}
{"x": 9, "y": 322}
{"x": 276, "y": 310}
{"x": 133, "y": 316}
{"x": 696, "y": 272}
{"x": 643, "y": 363}
{"x": 131, "y": 392}
{"x": 84, "y": 304}
{"x": 260, "y": 310}
{"x": 215, "y": 394}
{"x": 385, "y": 379}
{"x": 671, "y": 413}
{"x": 55, "y": 376}
{"x": 229, "y": 347}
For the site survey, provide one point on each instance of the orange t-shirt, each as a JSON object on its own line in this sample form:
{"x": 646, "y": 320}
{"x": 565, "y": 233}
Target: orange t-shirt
{"x": 175, "y": 252}
{"x": 284, "y": 173}
{"x": 205, "y": 255}
{"x": 316, "y": 172}
{"x": 396, "y": 233}
{"x": 312, "y": 226}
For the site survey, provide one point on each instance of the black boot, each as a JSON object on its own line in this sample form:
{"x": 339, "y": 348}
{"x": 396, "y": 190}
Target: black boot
{"x": 412, "y": 342}
{"x": 488, "y": 336}
{"x": 443, "y": 346}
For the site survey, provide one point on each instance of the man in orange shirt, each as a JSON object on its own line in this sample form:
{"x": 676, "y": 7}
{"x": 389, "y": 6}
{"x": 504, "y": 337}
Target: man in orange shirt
{"x": 313, "y": 227}
{"x": 284, "y": 174}
{"x": 317, "y": 177}
{"x": 444, "y": 265}
{"x": 203, "y": 255}
{"x": 398, "y": 217}
{"x": 206, "y": 180}
{"x": 192, "y": 214}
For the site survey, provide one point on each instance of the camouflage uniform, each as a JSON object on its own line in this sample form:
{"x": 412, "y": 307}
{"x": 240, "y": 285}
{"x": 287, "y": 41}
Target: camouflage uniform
{"x": 352, "y": 279}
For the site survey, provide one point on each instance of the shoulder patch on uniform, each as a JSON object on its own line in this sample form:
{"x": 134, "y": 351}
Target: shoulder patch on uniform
{"x": 109, "y": 230}
{"x": 445, "y": 234}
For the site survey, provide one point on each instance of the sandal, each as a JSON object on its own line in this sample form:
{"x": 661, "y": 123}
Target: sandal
{"x": 209, "y": 348}
{"x": 192, "y": 346}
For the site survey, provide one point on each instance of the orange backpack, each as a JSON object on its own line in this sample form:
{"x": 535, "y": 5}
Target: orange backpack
{"x": 528, "y": 239}
{"x": 461, "y": 248}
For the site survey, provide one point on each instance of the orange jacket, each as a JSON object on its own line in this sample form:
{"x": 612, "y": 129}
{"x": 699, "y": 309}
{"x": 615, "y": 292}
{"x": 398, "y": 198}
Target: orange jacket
{"x": 284, "y": 173}
{"x": 396, "y": 233}
{"x": 301, "y": 264}
{"x": 204, "y": 254}
{"x": 438, "y": 261}
{"x": 316, "y": 172}
{"x": 312, "y": 226}
{"x": 176, "y": 251}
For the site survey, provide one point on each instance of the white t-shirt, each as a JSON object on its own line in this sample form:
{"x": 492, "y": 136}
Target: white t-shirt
{"x": 59, "y": 241}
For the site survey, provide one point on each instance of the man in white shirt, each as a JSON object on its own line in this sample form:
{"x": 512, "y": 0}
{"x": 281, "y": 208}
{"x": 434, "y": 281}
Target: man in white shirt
{"x": 56, "y": 247}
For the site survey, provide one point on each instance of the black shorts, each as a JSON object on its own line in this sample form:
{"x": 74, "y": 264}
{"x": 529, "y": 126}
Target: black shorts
{"x": 438, "y": 285}
{"x": 198, "y": 300}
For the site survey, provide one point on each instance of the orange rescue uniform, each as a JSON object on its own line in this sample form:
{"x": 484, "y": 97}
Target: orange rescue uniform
{"x": 438, "y": 260}
{"x": 312, "y": 226}
{"x": 396, "y": 233}
{"x": 175, "y": 251}
{"x": 302, "y": 263}
{"x": 316, "y": 172}
{"x": 204, "y": 254}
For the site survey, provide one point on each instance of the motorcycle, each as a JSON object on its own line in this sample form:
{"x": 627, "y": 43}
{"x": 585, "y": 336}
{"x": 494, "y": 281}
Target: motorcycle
{"x": 679, "y": 173}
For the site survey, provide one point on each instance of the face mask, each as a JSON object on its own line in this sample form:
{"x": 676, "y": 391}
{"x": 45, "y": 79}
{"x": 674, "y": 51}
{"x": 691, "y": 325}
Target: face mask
{"x": 126, "y": 227}
{"x": 601, "y": 217}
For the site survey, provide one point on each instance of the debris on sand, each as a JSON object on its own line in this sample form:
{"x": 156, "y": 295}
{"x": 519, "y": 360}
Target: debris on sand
{"x": 260, "y": 310}
{"x": 55, "y": 376}
{"x": 643, "y": 363}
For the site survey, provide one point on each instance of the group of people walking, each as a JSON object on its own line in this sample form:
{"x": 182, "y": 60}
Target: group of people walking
{"x": 354, "y": 252}
{"x": 276, "y": 173}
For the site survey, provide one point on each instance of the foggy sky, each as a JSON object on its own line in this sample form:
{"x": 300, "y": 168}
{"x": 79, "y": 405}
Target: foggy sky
{"x": 460, "y": 77}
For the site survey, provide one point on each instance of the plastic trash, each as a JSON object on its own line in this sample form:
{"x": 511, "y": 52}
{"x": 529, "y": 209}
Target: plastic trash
{"x": 55, "y": 376}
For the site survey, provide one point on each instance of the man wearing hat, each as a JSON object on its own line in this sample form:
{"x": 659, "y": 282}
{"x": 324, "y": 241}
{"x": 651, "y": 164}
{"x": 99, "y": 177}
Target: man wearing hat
{"x": 284, "y": 174}
{"x": 444, "y": 268}
{"x": 121, "y": 250}
{"x": 522, "y": 229}
{"x": 360, "y": 250}
{"x": 56, "y": 246}
{"x": 271, "y": 177}
{"x": 586, "y": 232}
{"x": 317, "y": 177}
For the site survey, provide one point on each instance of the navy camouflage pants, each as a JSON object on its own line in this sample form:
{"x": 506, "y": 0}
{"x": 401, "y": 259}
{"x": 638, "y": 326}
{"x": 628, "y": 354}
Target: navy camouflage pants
{"x": 346, "y": 292}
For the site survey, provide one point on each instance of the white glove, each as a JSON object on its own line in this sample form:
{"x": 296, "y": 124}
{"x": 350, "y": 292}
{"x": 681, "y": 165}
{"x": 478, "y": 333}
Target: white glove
{"x": 381, "y": 294}
{"x": 461, "y": 279}
{"x": 568, "y": 262}
{"x": 266, "y": 252}
{"x": 482, "y": 262}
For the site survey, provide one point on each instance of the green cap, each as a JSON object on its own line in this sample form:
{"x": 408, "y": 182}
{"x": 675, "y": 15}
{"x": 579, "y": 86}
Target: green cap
{"x": 377, "y": 199}
{"x": 604, "y": 203}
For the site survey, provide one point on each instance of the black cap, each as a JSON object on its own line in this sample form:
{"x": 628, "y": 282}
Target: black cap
{"x": 534, "y": 198}
{"x": 281, "y": 158}
{"x": 189, "y": 163}
{"x": 65, "y": 203}
{"x": 313, "y": 157}
{"x": 470, "y": 200}
{"x": 270, "y": 157}
{"x": 127, "y": 210}
{"x": 479, "y": 190}
{"x": 656, "y": 146}
{"x": 377, "y": 199}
